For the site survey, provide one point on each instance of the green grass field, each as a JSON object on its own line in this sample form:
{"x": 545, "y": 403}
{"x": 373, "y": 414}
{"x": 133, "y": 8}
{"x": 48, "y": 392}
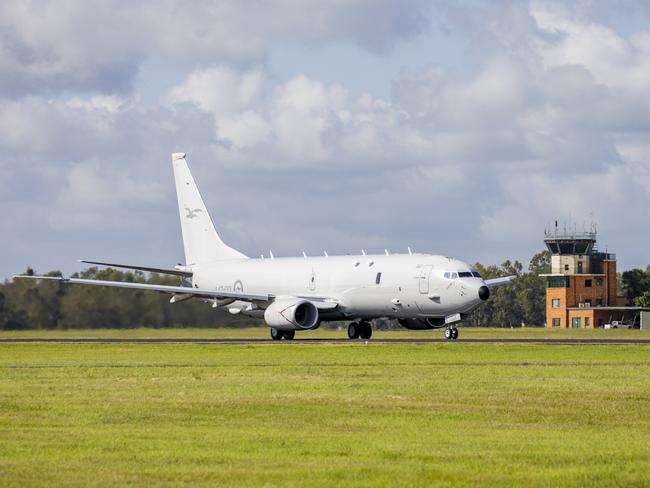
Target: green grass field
{"x": 344, "y": 414}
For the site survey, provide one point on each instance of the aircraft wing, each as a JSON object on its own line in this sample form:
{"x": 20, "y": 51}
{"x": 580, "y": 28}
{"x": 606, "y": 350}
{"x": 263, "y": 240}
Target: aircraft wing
{"x": 506, "y": 280}
{"x": 175, "y": 272}
{"x": 182, "y": 290}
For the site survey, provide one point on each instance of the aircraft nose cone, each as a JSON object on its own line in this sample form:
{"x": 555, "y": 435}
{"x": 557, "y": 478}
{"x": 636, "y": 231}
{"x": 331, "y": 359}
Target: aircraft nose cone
{"x": 484, "y": 293}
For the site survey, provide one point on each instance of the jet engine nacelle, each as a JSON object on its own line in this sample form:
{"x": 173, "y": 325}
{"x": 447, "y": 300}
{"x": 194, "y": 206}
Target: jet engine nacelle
{"x": 423, "y": 324}
{"x": 291, "y": 314}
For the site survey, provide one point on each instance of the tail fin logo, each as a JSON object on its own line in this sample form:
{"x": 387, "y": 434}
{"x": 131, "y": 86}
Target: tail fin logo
{"x": 192, "y": 213}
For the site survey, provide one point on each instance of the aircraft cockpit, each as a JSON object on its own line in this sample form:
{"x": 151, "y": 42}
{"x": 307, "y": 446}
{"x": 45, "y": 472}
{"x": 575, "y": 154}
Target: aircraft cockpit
{"x": 453, "y": 275}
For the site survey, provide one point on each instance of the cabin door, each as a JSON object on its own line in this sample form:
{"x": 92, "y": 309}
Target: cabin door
{"x": 424, "y": 279}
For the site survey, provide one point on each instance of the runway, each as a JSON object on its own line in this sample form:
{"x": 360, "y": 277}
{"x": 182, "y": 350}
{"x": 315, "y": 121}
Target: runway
{"x": 116, "y": 340}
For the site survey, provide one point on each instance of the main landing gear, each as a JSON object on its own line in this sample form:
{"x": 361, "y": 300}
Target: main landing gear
{"x": 278, "y": 335}
{"x": 451, "y": 333}
{"x": 361, "y": 330}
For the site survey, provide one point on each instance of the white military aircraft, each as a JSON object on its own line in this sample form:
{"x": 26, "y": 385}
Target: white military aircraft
{"x": 421, "y": 291}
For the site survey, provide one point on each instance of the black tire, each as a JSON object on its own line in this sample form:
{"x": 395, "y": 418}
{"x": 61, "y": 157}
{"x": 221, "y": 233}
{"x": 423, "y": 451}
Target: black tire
{"x": 448, "y": 334}
{"x": 366, "y": 330}
{"x": 289, "y": 334}
{"x": 454, "y": 333}
{"x": 353, "y": 330}
{"x": 276, "y": 334}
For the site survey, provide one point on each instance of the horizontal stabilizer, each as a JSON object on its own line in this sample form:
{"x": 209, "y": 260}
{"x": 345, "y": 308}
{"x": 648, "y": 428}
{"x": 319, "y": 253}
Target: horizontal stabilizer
{"x": 168, "y": 271}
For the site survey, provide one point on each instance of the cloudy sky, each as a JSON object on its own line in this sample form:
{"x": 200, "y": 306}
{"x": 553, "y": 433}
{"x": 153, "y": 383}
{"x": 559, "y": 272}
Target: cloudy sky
{"x": 460, "y": 128}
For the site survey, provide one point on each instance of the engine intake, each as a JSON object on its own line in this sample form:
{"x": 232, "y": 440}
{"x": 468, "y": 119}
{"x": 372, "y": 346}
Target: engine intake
{"x": 291, "y": 314}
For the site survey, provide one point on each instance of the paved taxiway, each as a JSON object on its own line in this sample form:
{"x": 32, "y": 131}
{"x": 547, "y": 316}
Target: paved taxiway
{"x": 559, "y": 342}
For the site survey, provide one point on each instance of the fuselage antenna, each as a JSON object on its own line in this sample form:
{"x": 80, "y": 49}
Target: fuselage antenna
{"x": 363, "y": 252}
{"x": 386, "y": 251}
{"x": 326, "y": 255}
{"x": 271, "y": 254}
{"x": 304, "y": 255}
{"x": 410, "y": 253}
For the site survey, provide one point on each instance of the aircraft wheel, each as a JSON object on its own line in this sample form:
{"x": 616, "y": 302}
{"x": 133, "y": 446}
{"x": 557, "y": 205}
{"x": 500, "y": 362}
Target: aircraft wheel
{"x": 276, "y": 334}
{"x": 448, "y": 334}
{"x": 454, "y": 333}
{"x": 366, "y": 330}
{"x": 289, "y": 334}
{"x": 353, "y": 330}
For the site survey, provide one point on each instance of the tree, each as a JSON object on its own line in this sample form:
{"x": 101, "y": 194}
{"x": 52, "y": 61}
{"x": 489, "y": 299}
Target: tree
{"x": 643, "y": 300}
{"x": 540, "y": 263}
{"x": 521, "y": 302}
{"x": 28, "y": 302}
{"x": 635, "y": 283}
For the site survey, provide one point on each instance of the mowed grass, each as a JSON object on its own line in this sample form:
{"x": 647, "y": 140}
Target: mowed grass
{"x": 344, "y": 414}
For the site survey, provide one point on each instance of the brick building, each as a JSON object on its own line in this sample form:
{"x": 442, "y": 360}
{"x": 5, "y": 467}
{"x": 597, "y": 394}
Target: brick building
{"x": 581, "y": 290}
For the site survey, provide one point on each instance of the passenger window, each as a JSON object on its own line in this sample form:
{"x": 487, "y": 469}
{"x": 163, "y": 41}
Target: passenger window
{"x": 448, "y": 275}
{"x": 378, "y": 278}
{"x": 454, "y": 275}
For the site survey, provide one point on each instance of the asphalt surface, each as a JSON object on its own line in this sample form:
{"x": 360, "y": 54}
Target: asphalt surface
{"x": 116, "y": 340}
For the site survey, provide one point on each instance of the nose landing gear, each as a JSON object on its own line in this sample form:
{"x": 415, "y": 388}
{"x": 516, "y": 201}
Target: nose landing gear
{"x": 451, "y": 333}
{"x": 361, "y": 329}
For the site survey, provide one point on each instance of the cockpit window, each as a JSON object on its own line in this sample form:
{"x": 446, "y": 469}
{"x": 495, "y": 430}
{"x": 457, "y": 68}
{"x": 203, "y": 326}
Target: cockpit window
{"x": 452, "y": 275}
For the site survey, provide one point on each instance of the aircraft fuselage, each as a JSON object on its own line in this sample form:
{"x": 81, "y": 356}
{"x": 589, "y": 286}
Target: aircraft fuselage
{"x": 363, "y": 286}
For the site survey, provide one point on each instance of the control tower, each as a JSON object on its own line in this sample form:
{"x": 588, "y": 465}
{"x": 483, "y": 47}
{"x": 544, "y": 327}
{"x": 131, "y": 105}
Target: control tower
{"x": 582, "y": 281}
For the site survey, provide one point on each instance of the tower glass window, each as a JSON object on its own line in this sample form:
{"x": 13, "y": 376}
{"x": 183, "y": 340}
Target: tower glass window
{"x": 555, "y": 303}
{"x": 558, "y": 282}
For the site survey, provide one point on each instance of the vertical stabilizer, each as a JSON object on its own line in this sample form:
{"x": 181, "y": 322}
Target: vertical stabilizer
{"x": 201, "y": 242}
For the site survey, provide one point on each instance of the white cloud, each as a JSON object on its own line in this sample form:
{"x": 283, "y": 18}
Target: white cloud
{"x": 80, "y": 45}
{"x": 613, "y": 60}
{"x": 109, "y": 103}
{"x": 231, "y": 97}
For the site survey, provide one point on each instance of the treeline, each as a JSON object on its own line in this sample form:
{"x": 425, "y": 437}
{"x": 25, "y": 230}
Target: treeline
{"x": 27, "y": 304}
